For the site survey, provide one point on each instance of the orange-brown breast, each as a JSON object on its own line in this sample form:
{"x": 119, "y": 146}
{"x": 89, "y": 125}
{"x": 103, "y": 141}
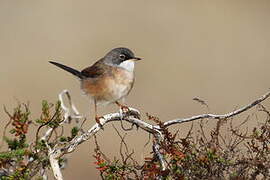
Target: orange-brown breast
{"x": 113, "y": 85}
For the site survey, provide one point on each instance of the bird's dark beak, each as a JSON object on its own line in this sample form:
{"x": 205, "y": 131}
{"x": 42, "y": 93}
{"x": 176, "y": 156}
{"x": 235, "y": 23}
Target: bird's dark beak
{"x": 137, "y": 58}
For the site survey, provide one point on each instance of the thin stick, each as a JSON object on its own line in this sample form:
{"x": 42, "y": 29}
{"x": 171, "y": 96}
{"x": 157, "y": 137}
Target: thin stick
{"x": 57, "y": 151}
{"x": 222, "y": 116}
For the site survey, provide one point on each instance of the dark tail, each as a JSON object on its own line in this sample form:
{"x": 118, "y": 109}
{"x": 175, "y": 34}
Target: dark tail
{"x": 68, "y": 69}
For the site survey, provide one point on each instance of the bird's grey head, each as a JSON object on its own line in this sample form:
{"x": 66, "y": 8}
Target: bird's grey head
{"x": 121, "y": 57}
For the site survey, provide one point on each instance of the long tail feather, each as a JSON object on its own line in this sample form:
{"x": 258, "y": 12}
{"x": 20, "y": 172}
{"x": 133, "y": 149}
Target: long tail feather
{"x": 68, "y": 69}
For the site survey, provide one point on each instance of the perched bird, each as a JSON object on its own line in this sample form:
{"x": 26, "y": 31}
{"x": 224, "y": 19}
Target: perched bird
{"x": 109, "y": 79}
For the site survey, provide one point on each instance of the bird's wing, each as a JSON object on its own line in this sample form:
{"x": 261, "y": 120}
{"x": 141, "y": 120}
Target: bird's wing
{"x": 94, "y": 71}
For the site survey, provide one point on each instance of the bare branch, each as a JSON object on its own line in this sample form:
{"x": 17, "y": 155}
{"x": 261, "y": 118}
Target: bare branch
{"x": 222, "y": 116}
{"x": 71, "y": 146}
{"x": 160, "y": 157}
{"x": 69, "y": 113}
{"x": 54, "y": 164}
{"x": 131, "y": 117}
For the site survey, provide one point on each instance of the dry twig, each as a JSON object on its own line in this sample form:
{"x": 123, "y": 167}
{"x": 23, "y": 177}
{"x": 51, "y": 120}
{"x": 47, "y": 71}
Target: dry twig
{"x": 130, "y": 117}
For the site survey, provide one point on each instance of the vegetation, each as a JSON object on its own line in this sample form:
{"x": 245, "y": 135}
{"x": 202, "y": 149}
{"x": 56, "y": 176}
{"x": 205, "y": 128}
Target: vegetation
{"x": 225, "y": 152}
{"x": 219, "y": 154}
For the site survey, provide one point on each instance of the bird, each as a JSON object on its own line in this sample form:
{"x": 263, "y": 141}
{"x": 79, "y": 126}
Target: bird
{"x": 109, "y": 79}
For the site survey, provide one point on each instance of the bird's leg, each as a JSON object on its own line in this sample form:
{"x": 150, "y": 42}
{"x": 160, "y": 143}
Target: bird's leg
{"x": 96, "y": 116}
{"x": 124, "y": 108}
{"x": 127, "y": 111}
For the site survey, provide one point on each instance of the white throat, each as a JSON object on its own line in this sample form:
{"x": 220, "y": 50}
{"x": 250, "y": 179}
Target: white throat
{"x": 128, "y": 65}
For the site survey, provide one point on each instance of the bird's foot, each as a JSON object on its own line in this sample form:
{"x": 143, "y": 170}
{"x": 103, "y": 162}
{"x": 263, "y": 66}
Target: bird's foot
{"x": 97, "y": 118}
{"x": 125, "y": 110}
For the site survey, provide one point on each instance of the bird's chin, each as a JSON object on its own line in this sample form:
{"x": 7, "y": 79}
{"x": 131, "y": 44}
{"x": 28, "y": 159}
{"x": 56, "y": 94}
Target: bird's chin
{"x": 128, "y": 65}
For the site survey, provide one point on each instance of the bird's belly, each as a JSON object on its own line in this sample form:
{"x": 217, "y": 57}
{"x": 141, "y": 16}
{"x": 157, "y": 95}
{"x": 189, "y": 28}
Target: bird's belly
{"x": 108, "y": 89}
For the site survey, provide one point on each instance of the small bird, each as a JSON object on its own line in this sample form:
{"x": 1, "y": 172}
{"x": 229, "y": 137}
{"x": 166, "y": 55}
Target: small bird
{"x": 108, "y": 80}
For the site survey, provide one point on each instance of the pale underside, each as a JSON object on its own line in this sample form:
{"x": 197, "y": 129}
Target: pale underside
{"x": 111, "y": 87}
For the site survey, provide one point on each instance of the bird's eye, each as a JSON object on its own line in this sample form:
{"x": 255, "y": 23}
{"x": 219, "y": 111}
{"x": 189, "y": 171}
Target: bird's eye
{"x": 122, "y": 56}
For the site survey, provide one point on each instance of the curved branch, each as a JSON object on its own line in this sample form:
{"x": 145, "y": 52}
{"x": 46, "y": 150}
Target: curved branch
{"x": 216, "y": 116}
{"x": 130, "y": 117}
{"x": 71, "y": 146}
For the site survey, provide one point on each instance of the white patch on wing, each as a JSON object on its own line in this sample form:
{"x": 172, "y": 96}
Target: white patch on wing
{"x": 128, "y": 65}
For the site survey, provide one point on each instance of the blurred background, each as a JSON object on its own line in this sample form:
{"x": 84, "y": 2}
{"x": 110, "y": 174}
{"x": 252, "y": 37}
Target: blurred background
{"x": 218, "y": 51}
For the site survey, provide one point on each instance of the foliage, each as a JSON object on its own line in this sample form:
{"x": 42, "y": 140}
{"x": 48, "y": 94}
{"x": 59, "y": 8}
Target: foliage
{"x": 224, "y": 153}
{"x": 25, "y": 158}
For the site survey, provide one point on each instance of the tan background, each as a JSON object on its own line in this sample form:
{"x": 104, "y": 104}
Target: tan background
{"x": 216, "y": 50}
